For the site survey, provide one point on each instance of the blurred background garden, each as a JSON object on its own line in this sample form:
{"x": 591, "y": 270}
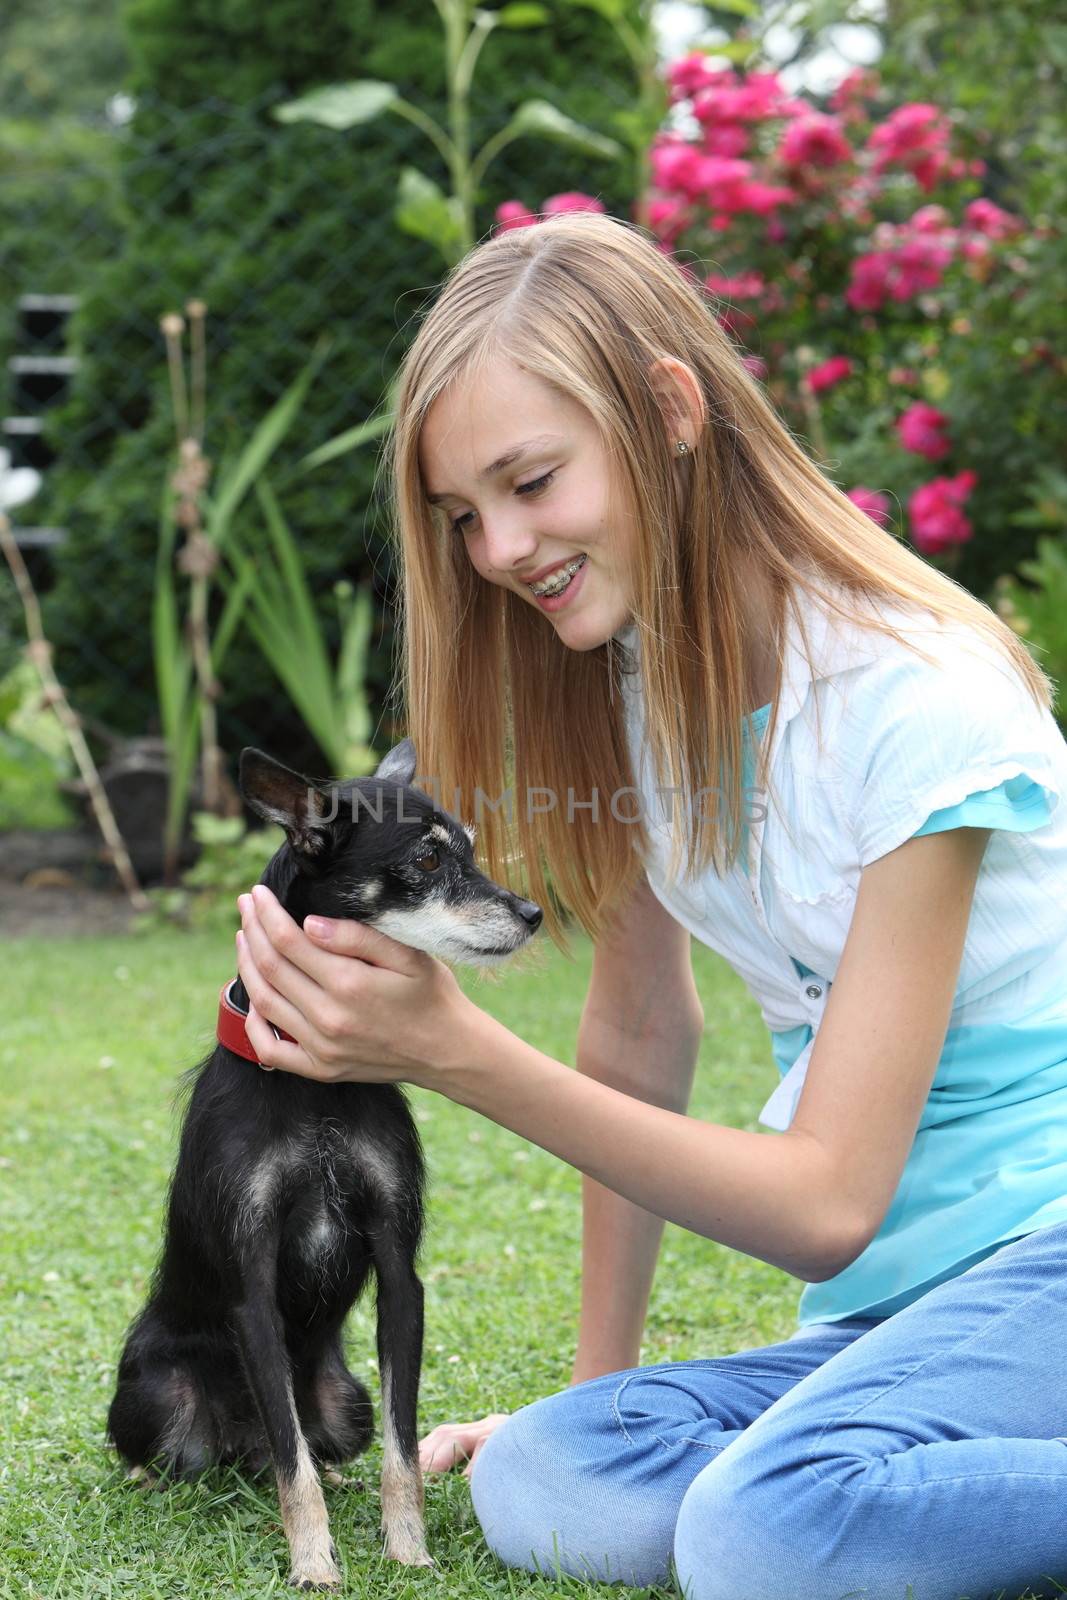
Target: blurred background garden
{"x": 219, "y": 225}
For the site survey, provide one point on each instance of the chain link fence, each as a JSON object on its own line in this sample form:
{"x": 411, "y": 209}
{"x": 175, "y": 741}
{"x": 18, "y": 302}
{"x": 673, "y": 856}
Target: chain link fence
{"x": 288, "y": 235}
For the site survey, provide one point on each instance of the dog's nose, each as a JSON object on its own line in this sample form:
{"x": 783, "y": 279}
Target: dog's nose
{"x": 532, "y": 915}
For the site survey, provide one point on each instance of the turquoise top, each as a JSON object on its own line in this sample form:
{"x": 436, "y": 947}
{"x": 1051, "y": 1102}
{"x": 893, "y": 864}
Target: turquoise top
{"x": 976, "y": 1053}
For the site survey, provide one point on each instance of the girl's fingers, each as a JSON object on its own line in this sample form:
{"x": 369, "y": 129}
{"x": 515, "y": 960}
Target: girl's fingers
{"x": 274, "y": 967}
{"x": 269, "y": 1004}
{"x": 451, "y": 1443}
{"x": 275, "y": 1053}
{"x": 330, "y": 937}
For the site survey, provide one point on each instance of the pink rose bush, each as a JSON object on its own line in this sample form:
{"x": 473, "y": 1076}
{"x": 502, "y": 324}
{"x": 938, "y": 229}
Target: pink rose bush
{"x": 921, "y": 429}
{"x": 828, "y": 374}
{"x": 513, "y": 214}
{"x": 873, "y": 502}
{"x": 937, "y": 520}
{"x": 845, "y": 249}
{"x": 847, "y": 244}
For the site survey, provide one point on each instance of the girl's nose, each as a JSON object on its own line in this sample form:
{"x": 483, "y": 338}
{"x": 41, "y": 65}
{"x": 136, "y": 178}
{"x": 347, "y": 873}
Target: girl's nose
{"x": 508, "y": 542}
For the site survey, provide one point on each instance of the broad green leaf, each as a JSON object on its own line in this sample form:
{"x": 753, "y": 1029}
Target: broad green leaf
{"x": 522, "y": 15}
{"x": 612, "y": 10}
{"x": 340, "y": 105}
{"x": 539, "y": 117}
{"x": 735, "y": 8}
{"x": 351, "y": 439}
{"x": 739, "y": 50}
{"x": 423, "y": 209}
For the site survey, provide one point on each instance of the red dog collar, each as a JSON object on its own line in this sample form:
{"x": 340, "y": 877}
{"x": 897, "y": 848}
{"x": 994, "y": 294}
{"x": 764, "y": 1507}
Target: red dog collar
{"x": 231, "y": 1027}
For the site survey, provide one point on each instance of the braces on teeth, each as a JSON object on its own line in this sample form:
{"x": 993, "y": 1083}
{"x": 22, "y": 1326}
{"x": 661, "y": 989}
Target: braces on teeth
{"x": 559, "y": 580}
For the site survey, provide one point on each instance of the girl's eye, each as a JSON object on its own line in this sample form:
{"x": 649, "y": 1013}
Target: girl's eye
{"x": 535, "y": 486}
{"x": 429, "y": 862}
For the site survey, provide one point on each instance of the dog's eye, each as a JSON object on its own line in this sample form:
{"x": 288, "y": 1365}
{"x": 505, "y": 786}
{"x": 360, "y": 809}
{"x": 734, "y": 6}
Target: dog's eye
{"x": 429, "y": 862}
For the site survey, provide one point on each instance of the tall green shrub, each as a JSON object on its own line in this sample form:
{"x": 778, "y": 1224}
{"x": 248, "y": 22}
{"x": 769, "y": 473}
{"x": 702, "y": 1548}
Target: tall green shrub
{"x": 286, "y": 232}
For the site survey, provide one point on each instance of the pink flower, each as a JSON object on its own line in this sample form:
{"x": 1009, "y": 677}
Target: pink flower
{"x": 746, "y": 286}
{"x": 857, "y": 86}
{"x": 680, "y": 168}
{"x": 976, "y": 248}
{"x": 906, "y": 264}
{"x": 690, "y": 74}
{"x": 513, "y": 214}
{"x": 572, "y": 200}
{"x": 910, "y": 130}
{"x": 929, "y": 219}
{"x": 872, "y": 502}
{"x": 815, "y": 141}
{"x": 726, "y": 139}
{"x": 829, "y": 374}
{"x": 922, "y": 430}
{"x": 916, "y": 137}
{"x": 937, "y": 522}
{"x": 667, "y": 218}
{"x": 985, "y": 217}
{"x": 763, "y": 198}
{"x": 869, "y": 283}
{"x": 755, "y": 365}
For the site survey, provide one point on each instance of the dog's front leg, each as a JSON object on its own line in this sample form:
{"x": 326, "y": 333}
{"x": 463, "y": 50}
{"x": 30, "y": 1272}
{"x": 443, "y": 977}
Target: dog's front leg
{"x": 399, "y": 1361}
{"x": 261, "y": 1341}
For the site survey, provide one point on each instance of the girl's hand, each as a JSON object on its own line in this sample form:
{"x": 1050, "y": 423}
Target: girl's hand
{"x": 362, "y": 1007}
{"x": 453, "y": 1442}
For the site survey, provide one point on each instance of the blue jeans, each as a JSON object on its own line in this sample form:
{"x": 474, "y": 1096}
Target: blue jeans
{"x": 856, "y": 1458}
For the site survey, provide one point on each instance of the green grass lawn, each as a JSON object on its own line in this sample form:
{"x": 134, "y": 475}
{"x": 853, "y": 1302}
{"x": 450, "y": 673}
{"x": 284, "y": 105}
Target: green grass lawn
{"x": 95, "y": 1036}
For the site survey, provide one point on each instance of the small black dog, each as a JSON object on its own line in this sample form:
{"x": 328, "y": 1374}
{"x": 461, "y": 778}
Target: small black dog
{"x": 287, "y": 1192}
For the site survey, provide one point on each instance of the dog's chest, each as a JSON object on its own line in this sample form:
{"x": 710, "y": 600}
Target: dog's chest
{"x": 324, "y": 1186}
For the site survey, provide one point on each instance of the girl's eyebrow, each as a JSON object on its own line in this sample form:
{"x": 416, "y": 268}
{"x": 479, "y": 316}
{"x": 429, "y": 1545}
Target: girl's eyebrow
{"x": 508, "y": 459}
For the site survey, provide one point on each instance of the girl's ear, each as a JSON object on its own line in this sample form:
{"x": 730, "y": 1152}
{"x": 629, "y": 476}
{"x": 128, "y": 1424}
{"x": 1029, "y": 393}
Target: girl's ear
{"x": 677, "y": 389}
{"x": 278, "y": 794}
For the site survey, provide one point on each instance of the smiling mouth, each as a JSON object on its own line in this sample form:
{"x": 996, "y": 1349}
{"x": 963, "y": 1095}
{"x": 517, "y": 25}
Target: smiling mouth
{"x": 557, "y": 581}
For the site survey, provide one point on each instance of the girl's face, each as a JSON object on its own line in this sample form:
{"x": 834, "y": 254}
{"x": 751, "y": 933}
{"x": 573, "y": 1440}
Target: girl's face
{"x": 526, "y": 484}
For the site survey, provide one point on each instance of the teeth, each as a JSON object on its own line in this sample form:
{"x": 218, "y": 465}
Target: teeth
{"x": 558, "y": 580}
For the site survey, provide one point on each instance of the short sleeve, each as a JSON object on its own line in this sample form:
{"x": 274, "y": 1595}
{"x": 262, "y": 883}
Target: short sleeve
{"x": 1017, "y": 805}
{"x": 956, "y": 741}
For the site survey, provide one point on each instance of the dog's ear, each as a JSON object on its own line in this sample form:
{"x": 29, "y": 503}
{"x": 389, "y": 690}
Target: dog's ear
{"x": 278, "y": 794}
{"x": 399, "y": 764}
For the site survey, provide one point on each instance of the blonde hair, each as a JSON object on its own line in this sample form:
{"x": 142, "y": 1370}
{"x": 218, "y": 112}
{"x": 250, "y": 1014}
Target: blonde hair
{"x": 588, "y": 304}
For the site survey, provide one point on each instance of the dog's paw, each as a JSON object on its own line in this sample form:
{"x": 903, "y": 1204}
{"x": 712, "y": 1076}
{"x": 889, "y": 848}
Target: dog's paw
{"x": 410, "y": 1552}
{"x": 142, "y": 1478}
{"x": 319, "y": 1572}
{"x": 299, "y": 1580}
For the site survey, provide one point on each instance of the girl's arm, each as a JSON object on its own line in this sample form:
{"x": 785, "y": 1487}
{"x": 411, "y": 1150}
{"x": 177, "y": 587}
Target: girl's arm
{"x": 808, "y": 1200}
{"x": 640, "y": 1032}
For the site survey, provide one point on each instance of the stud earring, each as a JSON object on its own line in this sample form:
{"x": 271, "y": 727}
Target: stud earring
{"x": 682, "y": 448}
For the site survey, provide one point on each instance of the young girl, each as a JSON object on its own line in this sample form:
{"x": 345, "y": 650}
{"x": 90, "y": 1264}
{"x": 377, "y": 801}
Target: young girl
{"x": 728, "y": 705}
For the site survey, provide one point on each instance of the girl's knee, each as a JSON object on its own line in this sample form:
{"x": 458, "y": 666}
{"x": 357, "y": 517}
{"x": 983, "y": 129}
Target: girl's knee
{"x": 730, "y": 1541}
{"x": 547, "y": 1501}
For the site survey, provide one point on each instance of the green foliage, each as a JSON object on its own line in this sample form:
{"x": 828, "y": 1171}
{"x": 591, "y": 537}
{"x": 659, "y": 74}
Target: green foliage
{"x": 283, "y": 619}
{"x": 34, "y": 755}
{"x": 286, "y": 232}
{"x": 58, "y": 59}
{"x": 232, "y": 858}
{"x": 181, "y": 707}
{"x": 1035, "y": 604}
